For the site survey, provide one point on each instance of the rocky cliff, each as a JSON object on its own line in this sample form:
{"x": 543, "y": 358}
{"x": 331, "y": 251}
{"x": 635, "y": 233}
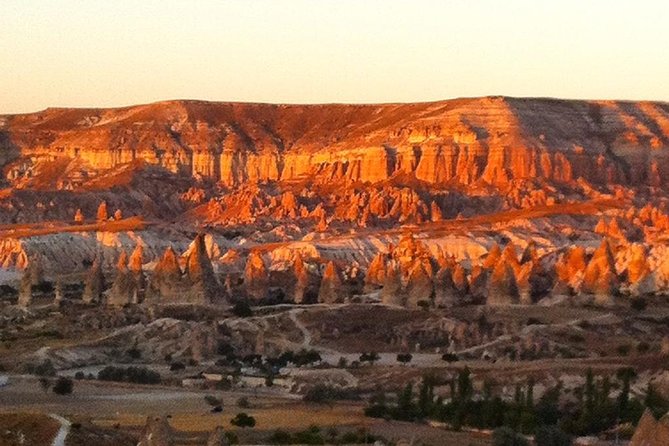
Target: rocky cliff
{"x": 493, "y": 140}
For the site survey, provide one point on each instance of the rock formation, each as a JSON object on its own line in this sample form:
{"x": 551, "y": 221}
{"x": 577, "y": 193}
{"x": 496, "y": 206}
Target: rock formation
{"x": 95, "y": 282}
{"x": 651, "y": 432}
{"x": 330, "y": 291}
{"x": 166, "y": 279}
{"x": 157, "y": 432}
{"x": 300, "y": 286}
{"x": 124, "y": 288}
{"x": 600, "y": 278}
{"x": 256, "y": 276}
{"x": 200, "y": 273}
{"x": 392, "y": 292}
{"x": 25, "y": 289}
{"x": 217, "y": 438}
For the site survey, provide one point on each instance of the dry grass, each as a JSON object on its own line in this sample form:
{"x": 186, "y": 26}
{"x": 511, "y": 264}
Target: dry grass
{"x": 20, "y": 429}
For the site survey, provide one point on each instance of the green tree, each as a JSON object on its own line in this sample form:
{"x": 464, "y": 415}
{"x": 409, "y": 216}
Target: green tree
{"x": 551, "y": 436}
{"x": 63, "y": 386}
{"x": 505, "y": 436}
{"x": 243, "y": 420}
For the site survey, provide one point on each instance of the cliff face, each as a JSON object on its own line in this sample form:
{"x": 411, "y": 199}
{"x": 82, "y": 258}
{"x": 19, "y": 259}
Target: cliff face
{"x": 490, "y": 140}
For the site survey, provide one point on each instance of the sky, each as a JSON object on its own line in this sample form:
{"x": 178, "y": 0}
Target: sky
{"x": 90, "y": 53}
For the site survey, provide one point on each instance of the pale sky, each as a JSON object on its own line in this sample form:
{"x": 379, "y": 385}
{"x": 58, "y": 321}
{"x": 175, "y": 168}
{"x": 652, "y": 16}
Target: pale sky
{"x": 122, "y": 52}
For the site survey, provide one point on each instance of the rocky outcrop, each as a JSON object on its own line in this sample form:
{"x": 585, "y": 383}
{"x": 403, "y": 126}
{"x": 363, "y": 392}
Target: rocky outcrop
{"x": 300, "y": 286}
{"x": 493, "y": 140}
{"x": 217, "y": 438}
{"x": 156, "y": 432}
{"x": 124, "y": 289}
{"x": 600, "y": 278}
{"x": 95, "y": 282}
{"x": 256, "y": 276}
{"x": 651, "y": 432}
{"x": 330, "y": 291}
{"x": 166, "y": 279}
{"x": 639, "y": 275}
{"x": 392, "y": 292}
{"x": 204, "y": 287}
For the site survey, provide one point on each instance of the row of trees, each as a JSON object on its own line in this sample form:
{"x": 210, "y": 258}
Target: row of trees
{"x": 591, "y": 409}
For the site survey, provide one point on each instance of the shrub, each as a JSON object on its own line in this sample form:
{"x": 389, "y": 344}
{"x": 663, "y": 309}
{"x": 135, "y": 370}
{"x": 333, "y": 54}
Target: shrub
{"x": 280, "y": 437}
{"x": 243, "y": 420}
{"x": 505, "y": 436}
{"x": 404, "y": 358}
{"x": 176, "y": 366}
{"x": 623, "y": 349}
{"x": 551, "y": 436}
{"x": 242, "y": 309}
{"x": 212, "y": 400}
{"x": 370, "y": 357}
{"x": 643, "y": 347}
{"x": 79, "y": 375}
{"x": 138, "y": 375}
{"x": 243, "y": 402}
{"x": 63, "y": 386}
{"x": 134, "y": 353}
{"x": 449, "y": 357}
{"x": 639, "y": 304}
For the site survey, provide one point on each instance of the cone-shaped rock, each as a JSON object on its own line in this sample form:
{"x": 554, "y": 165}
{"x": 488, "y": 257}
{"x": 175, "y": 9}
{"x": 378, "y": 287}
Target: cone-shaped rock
{"x": 376, "y": 272}
{"x": 502, "y": 286}
{"x": 460, "y": 279}
{"x": 493, "y": 257}
{"x": 25, "y": 289}
{"x": 95, "y": 282}
{"x": 639, "y": 275}
{"x": 446, "y": 293}
{"x": 200, "y": 272}
{"x": 301, "y": 280}
{"x": 330, "y": 291}
{"x": 392, "y": 292}
{"x": 650, "y": 432}
{"x": 157, "y": 432}
{"x": 135, "y": 266}
{"x": 256, "y": 276}
{"x": 166, "y": 277}
{"x": 58, "y": 292}
{"x": 217, "y": 438}
{"x": 600, "y": 276}
{"x": 419, "y": 288}
{"x": 124, "y": 288}
{"x": 510, "y": 257}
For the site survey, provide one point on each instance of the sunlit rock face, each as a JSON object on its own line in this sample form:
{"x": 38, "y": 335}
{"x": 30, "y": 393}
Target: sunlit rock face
{"x": 433, "y": 204}
{"x": 496, "y": 140}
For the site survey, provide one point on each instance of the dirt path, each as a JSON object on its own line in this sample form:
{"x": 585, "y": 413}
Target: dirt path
{"x": 65, "y": 425}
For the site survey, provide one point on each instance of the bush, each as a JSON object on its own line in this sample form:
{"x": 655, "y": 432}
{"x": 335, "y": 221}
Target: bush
{"x": 79, "y": 375}
{"x": 63, "y": 386}
{"x": 231, "y": 437}
{"x": 370, "y": 357}
{"x": 404, "y": 358}
{"x": 623, "y": 349}
{"x": 551, "y": 436}
{"x": 242, "y": 419}
{"x": 505, "y": 436}
{"x": 322, "y": 393}
{"x": 134, "y": 353}
{"x": 449, "y": 357}
{"x": 242, "y": 309}
{"x": 643, "y": 347}
{"x": 243, "y": 402}
{"x": 138, "y": 375}
{"x": 639, "y": 304}
{"x": 45, "y": 368}
{"x": 280, "y": 437}
{"x": 177, "y": 366}
{"x": 212, "y": 400}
